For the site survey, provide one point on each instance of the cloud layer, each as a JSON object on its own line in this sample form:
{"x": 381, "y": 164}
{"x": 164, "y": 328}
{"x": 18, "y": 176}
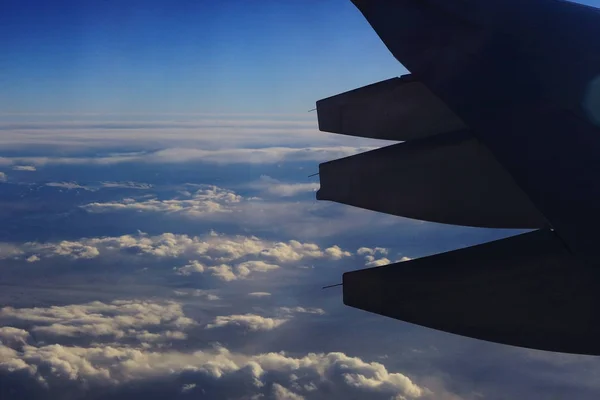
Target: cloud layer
{"x": 225, "y": 257}
{"x": 107, "y": 364}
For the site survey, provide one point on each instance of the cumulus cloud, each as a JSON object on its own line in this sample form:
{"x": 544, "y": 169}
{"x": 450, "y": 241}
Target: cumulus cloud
{"x": 225, "y": 257}
{"x": 378, "y": 262}
{"x": 207, "y": 200}
{"x": 252, "y": 322}
{"x": 278, "y": 188}
{"x": 301, "y": 310}
{"x": 372, "y": 252}
{"x": 371, "y": 255}
{"x": 118, "y": 319}
{"x": 282, "y": 393}
{"x": 340, "y": 375}
{"x": 24, "y": 168}
{"x": 13, "y": 336}
{"x": 106, "y": 363}
{"x": 193, "y": 267}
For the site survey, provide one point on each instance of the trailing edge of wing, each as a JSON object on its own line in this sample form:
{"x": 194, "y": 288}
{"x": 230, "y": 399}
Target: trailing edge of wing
{"x": 395, "y": 109}
{"x": 527, "y": 290}
{"x": 450, "y": 178}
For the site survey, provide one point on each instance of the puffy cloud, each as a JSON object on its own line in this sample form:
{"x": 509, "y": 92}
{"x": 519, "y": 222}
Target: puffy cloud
{"x": 202, "y": 251}
{"x": 282, "y": 393}
{"x": 336, "y": 253}
{"x": 252, "y": 322}
{"x": 340, "y": 375}
{"x": 302, "y": 310}
{"x": 223, "y": 272}
{"x": 365, "y": 251}
{"x": 193, "y": 267}
{"x": 226, "y": 272}
{"x": 207, "y": 200}
{"x": 378, "y": 262}
{"x": 259, "y": 294}
{"x": 24, "y": 168}
{"x": 121, "y": 318}
{"x": 10, "y": 335}
{"x": 371, "y": 255}
{"x": 106, "y": 363}
{"x": 256, "y": 322}
{"x": 227, "y": 258}
{"x": 244, "y": 269}
{"x": 3, "y": 177}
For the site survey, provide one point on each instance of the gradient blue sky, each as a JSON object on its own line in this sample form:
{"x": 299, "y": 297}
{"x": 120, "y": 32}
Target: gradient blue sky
{"x": 184, "y": 56}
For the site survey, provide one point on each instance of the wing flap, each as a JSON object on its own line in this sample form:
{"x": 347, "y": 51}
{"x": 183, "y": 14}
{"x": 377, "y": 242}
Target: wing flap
{"x": 395, "y": 109}
{"x": 450, "y": 178}
{"x": 527, "y": 290}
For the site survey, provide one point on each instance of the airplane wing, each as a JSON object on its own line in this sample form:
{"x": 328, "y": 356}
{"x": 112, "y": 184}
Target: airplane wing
{"x": 500, "y": 124}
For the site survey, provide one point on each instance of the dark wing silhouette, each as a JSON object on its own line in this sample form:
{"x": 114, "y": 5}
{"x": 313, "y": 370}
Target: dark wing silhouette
{"x": 500, "y": 122}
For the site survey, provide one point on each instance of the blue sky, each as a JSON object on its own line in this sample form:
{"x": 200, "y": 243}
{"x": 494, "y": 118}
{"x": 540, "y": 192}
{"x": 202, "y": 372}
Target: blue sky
{"x": 159, "y": 233}
{"x": 184, "y": 56}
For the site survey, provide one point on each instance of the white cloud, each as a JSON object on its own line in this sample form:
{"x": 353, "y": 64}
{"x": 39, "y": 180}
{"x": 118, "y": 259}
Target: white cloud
{"x": 114, "y": 365}
{"x": 24, "y": 168}
{"x": 336, "y": 253}
{"x": 371, "y": 255}
{"x": 278, "y": 188}
{"x": 13, "y": 336}
{"x": 187, "y": 387}
{"x": 378, "y": 262}
{"x": 301, "y": 310}
{"x": 282, "y": 393}
{"x": 256, "y": 322}
{"x": 202, "y": 251}
{"x": 118, "y": 319}
{"x": 371, "y": 252}
{"x": 126, "y": 185}
{"x": 252, "y": 322}
{"x": 3, "y": 177}
{"x": 259, "y": 294}
{"x": 265, "y": 155}
{"x": 205, "y": 294}
{"x": 193, "y": 267}
{"x": 69, "y": 185}
{"x": 223, "y": 272}
{"x": 106, "y": 362}
{"x": 205, "y": 201}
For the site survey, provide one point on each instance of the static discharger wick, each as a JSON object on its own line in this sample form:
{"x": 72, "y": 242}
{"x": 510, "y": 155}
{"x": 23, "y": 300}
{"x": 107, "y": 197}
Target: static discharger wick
{"x": 330, "y": 286}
